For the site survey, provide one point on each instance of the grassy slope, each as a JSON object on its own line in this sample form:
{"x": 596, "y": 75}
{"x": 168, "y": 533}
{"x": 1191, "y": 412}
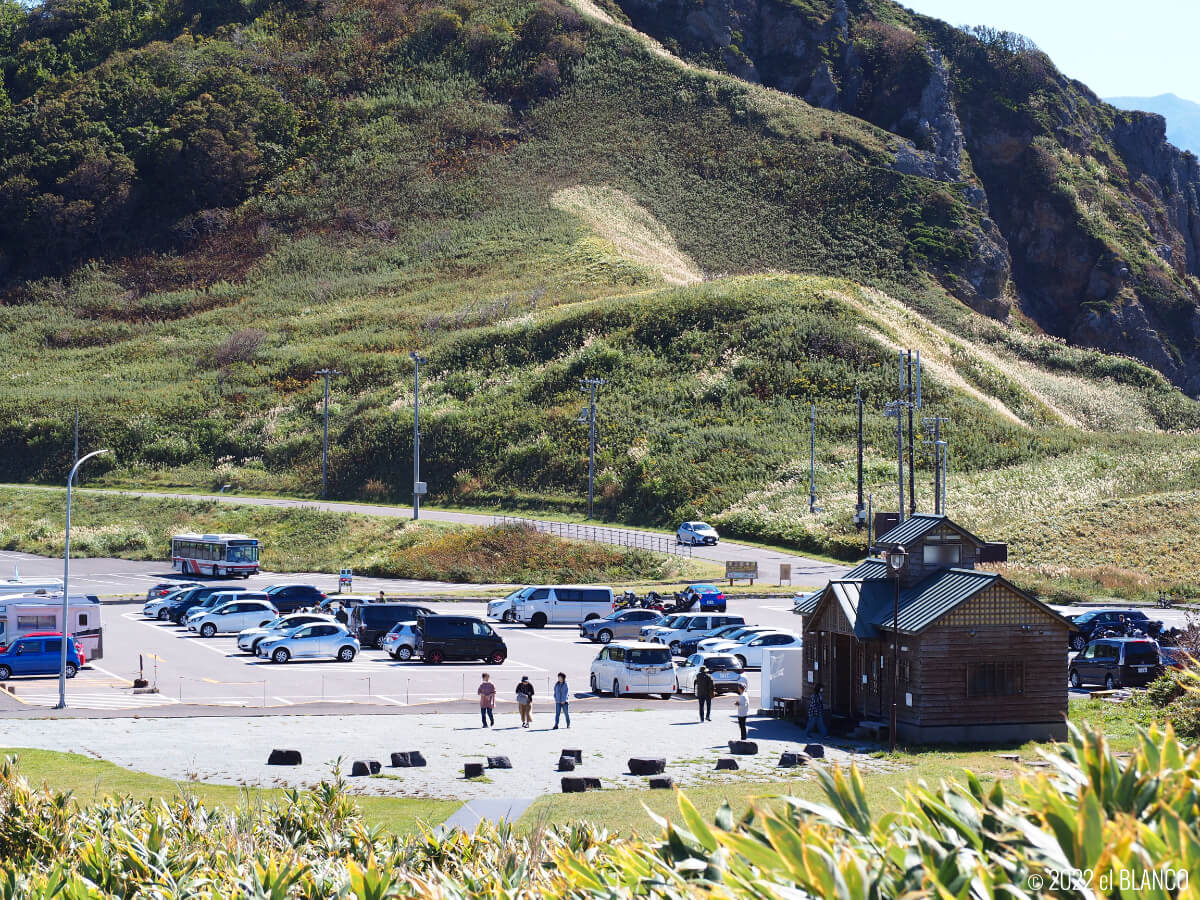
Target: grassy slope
{"x": 89, "y": 779}
{"x": 514, "y": 293}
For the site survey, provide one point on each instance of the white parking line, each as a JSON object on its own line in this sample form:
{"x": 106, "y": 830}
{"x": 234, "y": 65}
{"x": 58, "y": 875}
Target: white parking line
{"x": 282, "y": 700}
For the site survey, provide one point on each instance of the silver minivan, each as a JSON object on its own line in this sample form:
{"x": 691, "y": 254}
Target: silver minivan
{"x": 567, "y": 604}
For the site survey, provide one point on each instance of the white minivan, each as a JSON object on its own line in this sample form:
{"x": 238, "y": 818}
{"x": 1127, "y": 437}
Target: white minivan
{"x": 631, "y": 667}
{"x": 563, "y": 605}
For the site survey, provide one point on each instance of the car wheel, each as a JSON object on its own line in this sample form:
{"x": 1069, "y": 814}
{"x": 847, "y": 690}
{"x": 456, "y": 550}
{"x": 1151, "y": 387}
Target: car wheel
{"x": 6, "y": 673}
{"x": 208, "y": 630}
{"x": 1078, "y": 643}
{"x": 436, "y": 657}
{"x": 616, "y": 688}
{"x": 605, "y": 636}
{"x": 742, "y": 661}
{"x": 675, "y": 648}
{"x": 379, "y": 643}
{"x": 1109, "y": 684}
{"x": 538, "y": 621}
{"x": 667, "y": 696}
{"x": 346, "y": 654}
{"x": 71, "y": 670}
{"x": 404, "y": 653}
{"x": 1076, "y": 681}
{"x": 509, "y": 617}
{"x": 497, "y": 658}
{"x": 281, "y": 655}
{"x": 164, "y": 614}
{"x": 595, "y": 685}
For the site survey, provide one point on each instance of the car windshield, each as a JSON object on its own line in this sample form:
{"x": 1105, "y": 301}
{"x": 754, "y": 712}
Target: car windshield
{"x": 1136, "y": 614}
{"x": 747, "y": 638}
{"x": 1084, "y": 618}
{"x": 275, "y": 623}
{"x": 719, "y": 663}
{"x": 648, "y": 656}
{"x": 1141, "y": 653}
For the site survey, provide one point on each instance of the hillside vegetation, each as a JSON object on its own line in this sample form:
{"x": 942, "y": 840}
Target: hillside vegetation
{"x": 203, "y": 206}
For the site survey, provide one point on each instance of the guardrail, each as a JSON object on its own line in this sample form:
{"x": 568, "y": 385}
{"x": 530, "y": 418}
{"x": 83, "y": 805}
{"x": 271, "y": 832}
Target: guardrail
{"x": 656, "y": 543}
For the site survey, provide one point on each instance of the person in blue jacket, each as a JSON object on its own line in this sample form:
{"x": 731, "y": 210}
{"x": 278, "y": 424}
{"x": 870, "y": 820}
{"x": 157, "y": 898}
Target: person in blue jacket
{"x": 562, "y": 699}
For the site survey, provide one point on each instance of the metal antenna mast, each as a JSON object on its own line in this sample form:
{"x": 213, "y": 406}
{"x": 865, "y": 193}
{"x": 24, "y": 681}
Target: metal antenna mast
{"x": 325, "y": 432}
{"x": 418, "y": 485}
{"x": 939, "y": 453}
{"x": 860, "y": 510}
{"x": 588, "y": 417}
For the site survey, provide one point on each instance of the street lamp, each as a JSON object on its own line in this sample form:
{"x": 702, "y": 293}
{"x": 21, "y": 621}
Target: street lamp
{"x": 895, "y": 564}
{"x": 418, "y": 485}
{"x": 66, "y": 635}
{"x": 326, "y": 373}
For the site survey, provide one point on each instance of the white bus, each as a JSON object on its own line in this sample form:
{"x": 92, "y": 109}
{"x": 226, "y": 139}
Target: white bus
{"x": 214, "y": 554}
{"x": 21, "y": 615}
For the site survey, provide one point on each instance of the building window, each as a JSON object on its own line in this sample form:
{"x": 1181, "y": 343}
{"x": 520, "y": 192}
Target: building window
{"x": 995, "y": 679}
{"x": 904, "y": 671}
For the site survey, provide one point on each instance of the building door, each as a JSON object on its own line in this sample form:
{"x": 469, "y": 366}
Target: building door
{"x": 858, "y": 689}
{"x": 843, "y": 661}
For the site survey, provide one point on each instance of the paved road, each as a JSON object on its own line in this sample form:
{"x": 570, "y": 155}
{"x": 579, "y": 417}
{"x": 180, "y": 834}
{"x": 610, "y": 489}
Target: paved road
{"x": 805, "y": 571}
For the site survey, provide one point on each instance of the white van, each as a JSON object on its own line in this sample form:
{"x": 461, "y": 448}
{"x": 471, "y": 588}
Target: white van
{"x": 31, "y": 587}
{"x": 632, "y": 667}
{"x": 563, "y": 605}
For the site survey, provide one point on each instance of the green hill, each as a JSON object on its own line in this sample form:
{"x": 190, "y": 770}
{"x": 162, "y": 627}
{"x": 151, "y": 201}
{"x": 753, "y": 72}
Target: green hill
{"x": 204, "y": 205}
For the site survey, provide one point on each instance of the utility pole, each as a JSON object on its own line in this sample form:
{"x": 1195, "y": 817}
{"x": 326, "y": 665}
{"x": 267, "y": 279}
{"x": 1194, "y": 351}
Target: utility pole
{"x": 325, "y": 373}
{"x": 76, "y": 459}
{"x": 812, "y": 462}
{"x": 939, "y": 447}
{"x": 913, "y": 396}
{"x": 860, "y": 511}
{"x": 418, "y": 484}
{"x": 588, "y": 417}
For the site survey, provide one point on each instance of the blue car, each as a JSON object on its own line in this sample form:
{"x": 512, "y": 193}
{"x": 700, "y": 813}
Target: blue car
{"x": 703, "y": 598}
{"x": 37, "y": 656}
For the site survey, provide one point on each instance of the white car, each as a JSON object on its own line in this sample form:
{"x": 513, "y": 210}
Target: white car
{"x": 403, "y": 642}
{"x": 724, "y": 669}
{"x": 233, "y": 617}
{"x": 670, "y": 623}
{"x": 632, "y": 667}
{"x": 694, "y": 625}
{"x": 696, "y": 533}
{"x": 329, "y": 639}
{"x": 505, "y": 609}
{"x": 249, "y": 638}
{"x": 735, "y": 635}
{"x": 157, "y": 608}
{"x": 218, "y": 598}
{"x": 750, "y": 652}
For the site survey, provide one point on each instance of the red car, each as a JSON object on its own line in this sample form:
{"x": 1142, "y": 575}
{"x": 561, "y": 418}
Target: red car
{"x": 78, "y": 645}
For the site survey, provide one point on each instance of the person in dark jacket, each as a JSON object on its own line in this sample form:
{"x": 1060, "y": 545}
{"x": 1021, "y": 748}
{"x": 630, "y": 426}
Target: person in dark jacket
{"x": 816, "y": 713}
{"x": 525, "y": 701}
{"x": 704, "y": 693}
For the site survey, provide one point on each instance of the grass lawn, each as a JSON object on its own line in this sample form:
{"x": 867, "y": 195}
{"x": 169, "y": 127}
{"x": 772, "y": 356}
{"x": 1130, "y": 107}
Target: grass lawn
{"x": 90, "y": 779}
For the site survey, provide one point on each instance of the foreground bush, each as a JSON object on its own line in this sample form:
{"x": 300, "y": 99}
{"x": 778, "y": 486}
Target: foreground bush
{"x": 1117, "y": 819}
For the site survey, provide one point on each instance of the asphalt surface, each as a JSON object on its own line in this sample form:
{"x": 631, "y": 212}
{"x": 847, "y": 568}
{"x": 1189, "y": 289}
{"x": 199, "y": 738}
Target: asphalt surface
{"x": 193, "y": 673}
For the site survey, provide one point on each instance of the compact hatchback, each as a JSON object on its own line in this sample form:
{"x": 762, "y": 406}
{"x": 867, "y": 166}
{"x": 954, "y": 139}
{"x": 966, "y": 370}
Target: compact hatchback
{"x": 723, "y": 668}
{"x": 1116, "y": 662}
{"x": 37, "y": 656}
{"x": 233, "y": 617}
{"x": 249, "y": 638}
{"x": 696, "y": 533}
{"x": 322, "y": 639}
{"x": 403, "y": 642}
{"x": 625, "y": 623}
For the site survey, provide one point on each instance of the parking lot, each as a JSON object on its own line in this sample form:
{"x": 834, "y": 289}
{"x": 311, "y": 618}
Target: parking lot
{"x": 191, "y": 670}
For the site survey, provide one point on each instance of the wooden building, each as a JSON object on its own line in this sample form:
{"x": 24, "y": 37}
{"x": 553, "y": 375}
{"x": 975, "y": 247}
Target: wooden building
{"x": 979, "y": 659}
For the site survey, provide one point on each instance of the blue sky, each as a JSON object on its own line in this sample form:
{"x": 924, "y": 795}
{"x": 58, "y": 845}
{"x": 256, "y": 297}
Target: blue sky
{"x": 1129, "y": 48}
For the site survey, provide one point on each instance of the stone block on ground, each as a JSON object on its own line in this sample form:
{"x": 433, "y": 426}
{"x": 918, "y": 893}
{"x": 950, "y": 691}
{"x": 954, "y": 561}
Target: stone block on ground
{"x": 576, "y": 755}
{"x": 662, "y": 782}
{"x": 743, "y": 748}
{"x": 499, "y": 762}
{"x": 574, "y": 785}
{"x": 592, "y": 784}
{"x": 472, "y": 770}
{"x": 406, "y": 759}
{"x": 566, "y": 764}
{"x": 647, "y": 765}
{"x": 789, "y": 760}
{"x": 362, "y": 767}
{"x": 284, "y": 758}
{"x": 727, "y": 763}
{"x": 814, "y": 751}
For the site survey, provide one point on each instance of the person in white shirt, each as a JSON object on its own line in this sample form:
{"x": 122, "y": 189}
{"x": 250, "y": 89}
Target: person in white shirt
{"x": 743, "y": 709}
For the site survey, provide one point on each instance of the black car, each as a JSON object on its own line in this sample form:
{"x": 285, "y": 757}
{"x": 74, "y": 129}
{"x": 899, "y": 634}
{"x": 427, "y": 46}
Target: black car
{"x": 291, "y": 597}
{"x": 1116, "y": 662}
{"x": 1090, "y": 624}
{"x": 371, "y": 621}
{"x": 178, "y": 608}
{"x": 460, "y": 637}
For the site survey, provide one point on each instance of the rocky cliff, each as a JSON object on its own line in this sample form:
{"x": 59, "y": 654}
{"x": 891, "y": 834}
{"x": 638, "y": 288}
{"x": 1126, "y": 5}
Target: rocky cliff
{"x": 1095, "y": 216}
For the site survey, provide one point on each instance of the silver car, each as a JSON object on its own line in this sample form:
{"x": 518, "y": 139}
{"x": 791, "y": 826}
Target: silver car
{"x": 623, "y": 624}
{"x": 723, "y": 667}
{"x": 248, "y": 639}
{"x": 505, "y": 609}
{"x": 696, "y": 533}
{"x": 322, "y": 639}
{"x": 403, "y": 642}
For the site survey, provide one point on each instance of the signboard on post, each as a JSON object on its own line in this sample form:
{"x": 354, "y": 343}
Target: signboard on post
{"x": 740, "y": 571}
{"x": 345, "y": 581}
{"x": 420, "y": 488}
{"x": 785, "y": 573}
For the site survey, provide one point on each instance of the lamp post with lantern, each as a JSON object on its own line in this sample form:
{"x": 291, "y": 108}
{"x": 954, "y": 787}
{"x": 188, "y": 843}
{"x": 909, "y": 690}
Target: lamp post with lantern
{"x": 896, "y": 558}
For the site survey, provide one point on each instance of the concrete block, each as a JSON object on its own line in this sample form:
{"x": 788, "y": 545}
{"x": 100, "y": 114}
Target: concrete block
{"x": 647, "y": 765}
{"x": 576, "y": 755}
{"x": 592, "y": 784}
{"x": 814, "y": 751}
{"x": 743, "y": 748}
{"x": 284, "y": 758}
{"x": 365, "y": 767}
{"x": 662, "y": 782}
{"x": 407, "y": 759}
{"x": 789, "y": 760}
{"x": 574, "y": 785}
{"x": 566, "y": 764}
{"x": 727, "y": 762}
{"x": 499, "y": 762}
{"x": 472, "y": 770}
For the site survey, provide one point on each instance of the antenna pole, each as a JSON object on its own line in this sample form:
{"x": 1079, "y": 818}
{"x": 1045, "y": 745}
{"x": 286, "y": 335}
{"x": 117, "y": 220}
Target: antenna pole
{"x": 859, "y": 508}
{"x": 911, "y": 397}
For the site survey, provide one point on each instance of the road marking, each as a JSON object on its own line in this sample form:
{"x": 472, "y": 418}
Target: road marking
{"x": 389, "y": 699}
{"x": 210, "y": 680}
{"x": 283, "y": 700}
{"x": 108, "y": 700}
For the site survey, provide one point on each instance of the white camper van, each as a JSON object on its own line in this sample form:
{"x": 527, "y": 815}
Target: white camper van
{"x": 25, "y": 613}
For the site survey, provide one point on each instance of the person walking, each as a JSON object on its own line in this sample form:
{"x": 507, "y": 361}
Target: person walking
{"x": 816, "y": 712}
{"x": 743, "y": 710}
{"x": 487, "y": 700}
{"x": 525, "y": 701}
{"x": 562, "y": 699}
{"x": 704, "y": 693}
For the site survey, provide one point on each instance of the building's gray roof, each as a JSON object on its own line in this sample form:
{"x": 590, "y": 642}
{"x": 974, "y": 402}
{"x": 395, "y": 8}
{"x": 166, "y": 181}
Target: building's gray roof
{"x": 868, "y": 568}
{"x": 916, "y": 527}
{"x": 922, "y": 604}
{"x": 863, "y": 603}
{"x": 806, "y": 604}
